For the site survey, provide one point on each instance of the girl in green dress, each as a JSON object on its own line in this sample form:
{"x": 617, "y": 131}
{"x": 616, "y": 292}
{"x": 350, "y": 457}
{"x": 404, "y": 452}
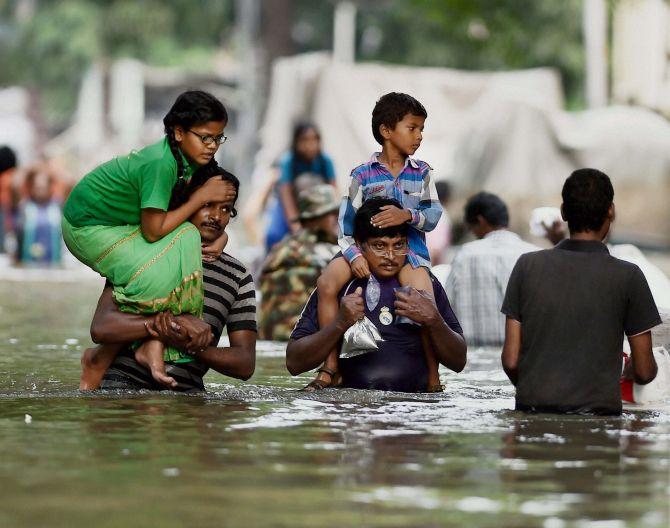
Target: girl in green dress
{"x": 116, "y": 221}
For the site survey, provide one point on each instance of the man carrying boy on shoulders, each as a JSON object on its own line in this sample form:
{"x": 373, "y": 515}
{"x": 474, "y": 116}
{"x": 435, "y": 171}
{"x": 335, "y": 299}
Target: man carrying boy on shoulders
{"x": 568, "y": 308}
{"x": 398, "y": 121}
{"x": 400, "y": 363}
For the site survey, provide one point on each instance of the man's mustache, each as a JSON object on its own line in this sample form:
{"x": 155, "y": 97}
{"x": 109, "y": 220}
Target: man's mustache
{"x": 212, "y": 225}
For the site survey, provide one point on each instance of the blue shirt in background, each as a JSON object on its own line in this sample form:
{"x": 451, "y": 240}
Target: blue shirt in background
{"x": 290, "y": 168}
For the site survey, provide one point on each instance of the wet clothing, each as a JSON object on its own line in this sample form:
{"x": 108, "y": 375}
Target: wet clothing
{"x": 574, "y": 303}
{"x": 39, "y": 233}
{"x": 291, "y": 167}
{"x": 414, "y": 188}
{"x": 400, "y": 363}
{"x": 477, "y": 282}
{"x": 148, "y": 277}
{"x": 288, "y": 276}
{"x": 230, "y": 302}
{"x": 101, "y": 227}
{"x": 114, "y": 193}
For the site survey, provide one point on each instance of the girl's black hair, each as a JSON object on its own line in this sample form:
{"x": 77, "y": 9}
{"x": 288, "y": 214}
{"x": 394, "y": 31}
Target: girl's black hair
{"x": 182, "y": 195}
{"x": 191, "y": 108}
{"x": 298, "y": 130}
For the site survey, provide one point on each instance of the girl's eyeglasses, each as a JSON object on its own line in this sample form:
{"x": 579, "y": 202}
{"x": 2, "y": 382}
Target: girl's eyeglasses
{"x": 208, "y": 140}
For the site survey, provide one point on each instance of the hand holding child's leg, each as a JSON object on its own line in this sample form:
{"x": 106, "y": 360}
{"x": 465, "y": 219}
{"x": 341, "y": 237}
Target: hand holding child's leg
{"x": 150, "y": 354}
{"x": 329, "y": 284}
{"x": 419, "y": 279}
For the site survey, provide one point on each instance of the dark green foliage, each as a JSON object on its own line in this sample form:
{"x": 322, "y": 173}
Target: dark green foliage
{"x": 50, "y": 50}
{"x": 482, "y": 35}
{"x": 464, "y": 34}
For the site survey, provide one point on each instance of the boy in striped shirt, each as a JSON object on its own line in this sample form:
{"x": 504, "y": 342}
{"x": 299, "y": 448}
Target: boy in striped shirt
{"x": 397, "y": 125}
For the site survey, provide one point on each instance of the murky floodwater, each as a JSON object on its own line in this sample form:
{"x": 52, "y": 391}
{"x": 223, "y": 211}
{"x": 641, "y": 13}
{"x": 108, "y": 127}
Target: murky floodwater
{"x": 262, "y": 454}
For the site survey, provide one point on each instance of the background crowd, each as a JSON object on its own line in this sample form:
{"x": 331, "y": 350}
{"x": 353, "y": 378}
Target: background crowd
{"x": 31, "y": 197}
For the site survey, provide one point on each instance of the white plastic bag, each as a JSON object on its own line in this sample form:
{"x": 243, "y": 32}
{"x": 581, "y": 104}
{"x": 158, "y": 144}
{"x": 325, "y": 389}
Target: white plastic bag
{"x": 541, "y": 217}
{"x": 360, "y": 338}
{"x": 363, "y": 336}
{"x": 372, "y": 293}
{"x": 658, "y": 389}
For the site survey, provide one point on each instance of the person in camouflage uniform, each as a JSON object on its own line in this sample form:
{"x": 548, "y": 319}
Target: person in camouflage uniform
{"x": 290, "y": 270}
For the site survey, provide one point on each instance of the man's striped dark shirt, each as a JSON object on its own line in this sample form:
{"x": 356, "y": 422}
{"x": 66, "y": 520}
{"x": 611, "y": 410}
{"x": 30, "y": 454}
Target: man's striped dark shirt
{"x": 230, "y": 301}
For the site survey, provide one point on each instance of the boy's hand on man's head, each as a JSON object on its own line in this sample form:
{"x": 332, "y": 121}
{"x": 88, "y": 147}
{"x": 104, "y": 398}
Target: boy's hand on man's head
{"x": 391, "y": 216}
{"x": 360, "y": 267}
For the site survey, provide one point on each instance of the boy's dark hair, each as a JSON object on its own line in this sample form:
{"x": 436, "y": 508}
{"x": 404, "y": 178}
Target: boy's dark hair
{"x": 490, "y": 207}
{"x": 392, "y": 108}
{"x": 363, "y": 228}
{"x": 587, "y": 196}
{"x": 7, "y": 158}
{"x": 191, "y": 108}
{"x": 200, "y": 176}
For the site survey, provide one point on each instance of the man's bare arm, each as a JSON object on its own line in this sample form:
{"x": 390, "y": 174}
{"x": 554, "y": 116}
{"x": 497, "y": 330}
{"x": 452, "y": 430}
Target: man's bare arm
{"x": 449, "y": 347}
{"x": 238, "y": 360}
{"x": 309, "y": 352}
{"x": 512, "y": 349}
{"x": 644, "y": 364}
{"x": 110, "y": 325}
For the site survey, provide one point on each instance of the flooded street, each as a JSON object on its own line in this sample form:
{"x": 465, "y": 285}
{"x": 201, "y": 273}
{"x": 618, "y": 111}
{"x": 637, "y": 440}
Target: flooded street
{"x": 261, "y": 453}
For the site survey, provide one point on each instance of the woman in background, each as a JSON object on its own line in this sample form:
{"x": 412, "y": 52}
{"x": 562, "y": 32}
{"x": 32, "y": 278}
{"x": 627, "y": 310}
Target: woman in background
{"x": 303, "y": 166}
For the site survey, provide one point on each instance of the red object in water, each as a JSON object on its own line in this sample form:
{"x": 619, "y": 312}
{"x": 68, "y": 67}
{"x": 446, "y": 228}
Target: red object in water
{"x": 627, "y": 390}
{"x": 626, "y": 384}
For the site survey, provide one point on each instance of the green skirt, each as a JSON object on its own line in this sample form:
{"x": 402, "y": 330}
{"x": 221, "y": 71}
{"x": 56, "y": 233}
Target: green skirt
{"x": 148, "y": 277}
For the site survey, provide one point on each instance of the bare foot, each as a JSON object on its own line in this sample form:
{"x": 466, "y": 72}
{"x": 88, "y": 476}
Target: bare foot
{"x": 94, "y": 363}
{"x": 151, "y": 356}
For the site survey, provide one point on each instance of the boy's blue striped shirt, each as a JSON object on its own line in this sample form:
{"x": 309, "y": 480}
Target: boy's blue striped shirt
{"x": 413, "y": 188}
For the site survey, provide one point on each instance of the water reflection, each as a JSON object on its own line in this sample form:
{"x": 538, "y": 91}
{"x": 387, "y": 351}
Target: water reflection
{"x": 263, "y": 453}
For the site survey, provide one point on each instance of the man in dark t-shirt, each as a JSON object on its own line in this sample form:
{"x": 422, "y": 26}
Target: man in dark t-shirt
{"x": 399, "y": 364}
{"x": 568, "y": 309}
